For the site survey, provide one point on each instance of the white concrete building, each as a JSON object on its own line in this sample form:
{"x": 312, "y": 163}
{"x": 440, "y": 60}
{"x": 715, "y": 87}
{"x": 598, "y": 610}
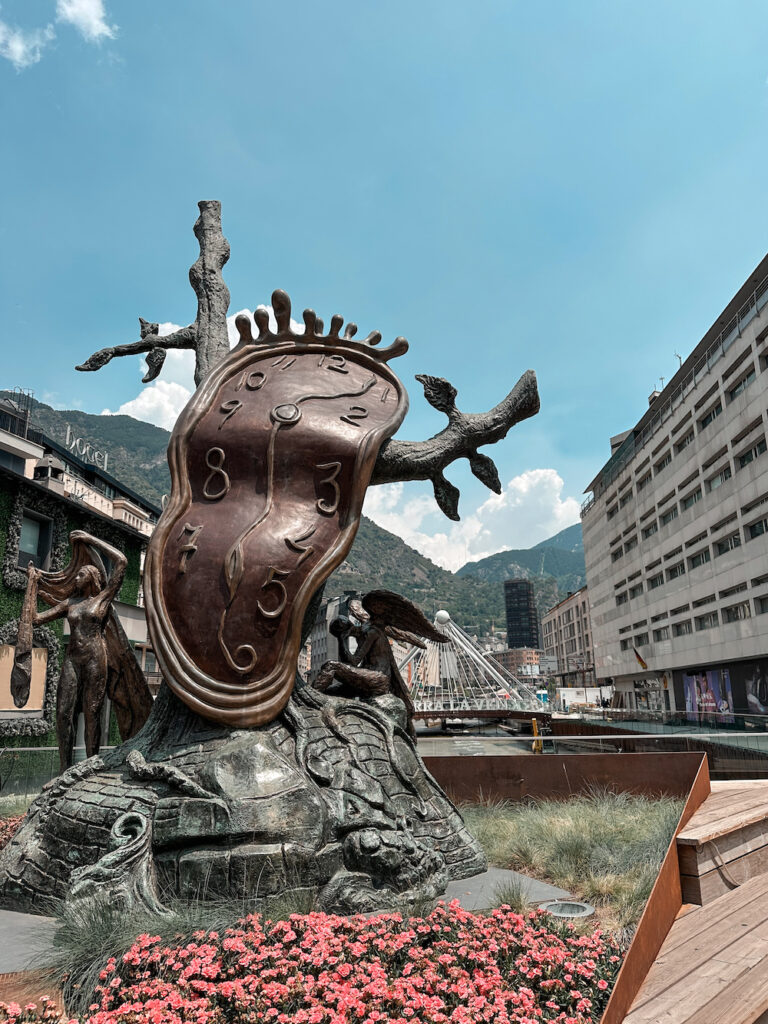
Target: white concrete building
{"x": 676, "y": 530}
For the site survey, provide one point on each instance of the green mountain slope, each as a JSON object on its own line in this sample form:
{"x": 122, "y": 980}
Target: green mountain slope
{"x": 474, "y": 596}
{"x": 569, "y": 539}
{"x": 136, "y": 449}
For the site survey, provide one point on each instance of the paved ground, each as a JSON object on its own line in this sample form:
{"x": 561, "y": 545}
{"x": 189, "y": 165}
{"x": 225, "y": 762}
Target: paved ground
{"x": 24, "y": 938}
{"x": 437, "y": 745}
{"x": 482, "y": 891}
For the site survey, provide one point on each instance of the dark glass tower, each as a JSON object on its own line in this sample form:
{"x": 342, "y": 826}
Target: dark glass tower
{"x": 522, "y": 617}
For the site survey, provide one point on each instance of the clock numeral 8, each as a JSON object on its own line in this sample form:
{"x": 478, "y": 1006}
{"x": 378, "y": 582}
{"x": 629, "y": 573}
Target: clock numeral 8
{"x": 217, "y": 471}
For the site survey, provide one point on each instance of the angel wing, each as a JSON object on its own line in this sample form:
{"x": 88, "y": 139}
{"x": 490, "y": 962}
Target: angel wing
{"x": 400, "y": 618}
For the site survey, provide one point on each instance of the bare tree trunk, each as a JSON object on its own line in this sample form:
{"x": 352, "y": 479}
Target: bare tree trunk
{"x": 212, "y": 343}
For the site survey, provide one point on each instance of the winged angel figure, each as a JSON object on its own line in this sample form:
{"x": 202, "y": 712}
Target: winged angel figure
{"x": 371, "y": 670}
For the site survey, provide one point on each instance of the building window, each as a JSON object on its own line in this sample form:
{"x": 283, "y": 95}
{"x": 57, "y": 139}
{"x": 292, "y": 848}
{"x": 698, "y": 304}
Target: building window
{"x": 620, "y": 600}
{"x": 674, "y": 571}
{"x": 644, "y": 481}
{"x": 656, "y": 581}
{"x": 630, "y": 545}
{"x": 625, "y": 498}
{"x": 668, "y": 516}
{"x": 761, "y": 605}
{"x": 713, "y": 413}
{"x": 690, "y": 500}
{"x": 757, "y": 529}
{"x": 612, "y": 511}
{"x": 663, "y": 462}
{"x": 626, "y": 644}
{"x": 616, "y": 555}
{"x": 661, "y": 634}
{"x": 719, "y": 478}
{"x": 684, "y": 442}
{"x": 682, "y": 628}
{"x": 741, "y": 385}
{"x": 752, "y": 453}
{"x": 35, "y": 541}
{"x": 722, "y": 547}
{"x": 708, "y": 621}
{"x": 641, "y": 640}
{"x": 737, "y": 612}
{"x": 650, "y": 530}
{"x": 636, "y": 591}
{"x": 700, "y": 558}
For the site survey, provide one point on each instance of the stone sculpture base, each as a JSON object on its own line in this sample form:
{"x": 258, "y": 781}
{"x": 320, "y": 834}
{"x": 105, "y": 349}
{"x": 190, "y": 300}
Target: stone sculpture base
{"x": 331, "y": 796}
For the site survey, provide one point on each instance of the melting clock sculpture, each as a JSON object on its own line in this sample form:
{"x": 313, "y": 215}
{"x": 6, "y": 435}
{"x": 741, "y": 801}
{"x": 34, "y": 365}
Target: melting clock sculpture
{"x": 244, "y": 780}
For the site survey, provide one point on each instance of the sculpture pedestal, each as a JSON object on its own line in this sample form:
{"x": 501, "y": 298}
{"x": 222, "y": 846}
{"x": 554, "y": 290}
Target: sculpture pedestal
{"x": 332, "y": 796}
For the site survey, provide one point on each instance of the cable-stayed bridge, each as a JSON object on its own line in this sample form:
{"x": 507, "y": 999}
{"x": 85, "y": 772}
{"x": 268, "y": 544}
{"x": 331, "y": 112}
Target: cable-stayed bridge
{"x": 456, "y": 680}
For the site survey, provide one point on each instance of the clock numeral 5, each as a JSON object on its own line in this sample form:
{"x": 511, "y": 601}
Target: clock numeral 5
{"x": 273, "y": 581}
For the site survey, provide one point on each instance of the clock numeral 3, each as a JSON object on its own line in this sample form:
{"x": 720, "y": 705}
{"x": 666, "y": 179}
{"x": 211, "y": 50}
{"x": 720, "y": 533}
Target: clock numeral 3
{"x": 328, "y": 508}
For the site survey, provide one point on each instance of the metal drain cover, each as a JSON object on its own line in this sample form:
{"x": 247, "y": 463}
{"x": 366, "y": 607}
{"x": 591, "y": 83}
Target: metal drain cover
{"x": 567, "y": 908}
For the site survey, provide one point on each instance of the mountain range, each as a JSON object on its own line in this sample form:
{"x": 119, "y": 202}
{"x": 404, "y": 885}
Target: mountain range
{"x": 474, "y": 595}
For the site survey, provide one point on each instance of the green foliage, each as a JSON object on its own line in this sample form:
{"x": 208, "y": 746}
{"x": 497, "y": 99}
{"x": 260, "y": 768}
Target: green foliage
{"x": 129, "y": 592}
{"x": 604, "y": 847}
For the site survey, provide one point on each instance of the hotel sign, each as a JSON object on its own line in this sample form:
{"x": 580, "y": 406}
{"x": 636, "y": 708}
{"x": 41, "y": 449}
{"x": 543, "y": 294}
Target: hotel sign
{"x": 85, "y": 450}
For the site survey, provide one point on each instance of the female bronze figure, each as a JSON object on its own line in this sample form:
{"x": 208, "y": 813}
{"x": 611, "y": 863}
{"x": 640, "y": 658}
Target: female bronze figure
{"x": 99, "y": 660}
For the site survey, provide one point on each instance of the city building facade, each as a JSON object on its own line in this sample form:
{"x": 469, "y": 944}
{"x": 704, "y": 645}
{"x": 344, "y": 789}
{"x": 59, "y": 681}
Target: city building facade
{"x": 520, "y": 661}
{"x": 567, "y": 638}
{"x": 522, "y": 617}
{"x": 676, "y": 530}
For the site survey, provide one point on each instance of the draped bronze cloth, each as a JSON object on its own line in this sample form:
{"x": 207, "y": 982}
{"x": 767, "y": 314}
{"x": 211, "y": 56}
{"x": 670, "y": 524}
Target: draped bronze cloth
{"x": 126, "y": 686}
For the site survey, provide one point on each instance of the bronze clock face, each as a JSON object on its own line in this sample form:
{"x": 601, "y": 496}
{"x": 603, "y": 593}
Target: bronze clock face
{"x": 269, "y": 464}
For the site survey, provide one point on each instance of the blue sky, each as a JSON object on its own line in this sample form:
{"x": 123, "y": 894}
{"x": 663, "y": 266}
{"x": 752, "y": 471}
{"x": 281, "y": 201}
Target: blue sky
{"x": 573, "y": 187}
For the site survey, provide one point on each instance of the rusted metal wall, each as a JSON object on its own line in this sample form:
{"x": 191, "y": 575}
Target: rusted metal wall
{"x": 558, "y": 776}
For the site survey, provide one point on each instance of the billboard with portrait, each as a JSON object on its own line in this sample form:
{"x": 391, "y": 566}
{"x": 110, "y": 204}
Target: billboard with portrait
{"x": 708, "y": 696}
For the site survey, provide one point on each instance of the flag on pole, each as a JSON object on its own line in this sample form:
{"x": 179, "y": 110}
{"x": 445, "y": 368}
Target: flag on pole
{"x": 643, "y": 664}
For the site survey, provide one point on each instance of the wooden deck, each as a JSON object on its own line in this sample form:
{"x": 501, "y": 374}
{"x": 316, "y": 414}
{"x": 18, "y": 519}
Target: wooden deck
{"x": 713, "y": 965}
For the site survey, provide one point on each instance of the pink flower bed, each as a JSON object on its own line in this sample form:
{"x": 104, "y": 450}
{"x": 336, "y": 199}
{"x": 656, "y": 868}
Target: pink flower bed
{"x": 452, "y": 967}
{"x": 7, "y": 828}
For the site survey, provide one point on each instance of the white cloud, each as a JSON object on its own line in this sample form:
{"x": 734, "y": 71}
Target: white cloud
{"x": 24, "y": 48}
{"x": 88, "y": 17}
{"x": 159, "y": 403}
{"x": 530, "y": 508}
